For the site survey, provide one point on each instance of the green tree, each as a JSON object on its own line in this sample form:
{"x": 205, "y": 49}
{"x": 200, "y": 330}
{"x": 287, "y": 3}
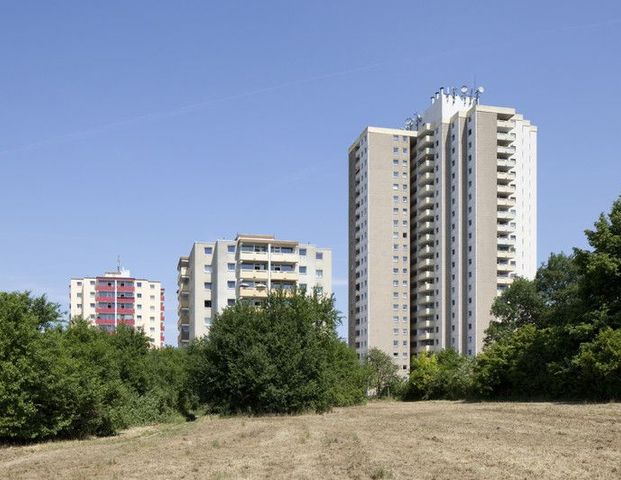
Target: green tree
{"x": 424, "y": 371}
{"x": 601, "y": 269}
{"x": 519, "y": 305}
{"x": 281, "y": 357}
{"x": 381, "y": 371}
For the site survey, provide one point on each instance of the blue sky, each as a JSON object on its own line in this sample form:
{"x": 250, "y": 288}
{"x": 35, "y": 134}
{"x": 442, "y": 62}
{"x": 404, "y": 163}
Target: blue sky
{"x": 212, "y": 118}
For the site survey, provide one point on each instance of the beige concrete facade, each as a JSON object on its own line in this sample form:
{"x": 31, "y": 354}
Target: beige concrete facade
{"x": 217, "y": 274}
{"x": 442, "y": 217}
{"x": 115, "y": 298}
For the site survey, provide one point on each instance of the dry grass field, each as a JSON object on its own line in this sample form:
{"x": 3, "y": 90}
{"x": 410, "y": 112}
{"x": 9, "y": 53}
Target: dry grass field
{"x": 382, "y": 440}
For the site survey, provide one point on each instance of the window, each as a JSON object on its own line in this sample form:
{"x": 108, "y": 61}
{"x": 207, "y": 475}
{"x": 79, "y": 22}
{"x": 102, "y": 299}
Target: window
{"x": 395, "y": 186}
{"x": 207, "y": 268}
{"x": 319, "y": 273}
{"x": 230, "y": 267}
{"x": 302, "y": 252}
{"x": 139, "y": 295}
{"x": 208, "y": 250}
{"x": 230, "y": 248}
{"x": 79, "y": 284}
{"x": 302, "y": 269}
{"x": 319, "y": 255}
{"x": 207, "y": 285}
{"x": 207, "y": 303}
{"x": 230, "y": 302}
{"x": 230, "y": 284}
{"x": 139, "y": 307}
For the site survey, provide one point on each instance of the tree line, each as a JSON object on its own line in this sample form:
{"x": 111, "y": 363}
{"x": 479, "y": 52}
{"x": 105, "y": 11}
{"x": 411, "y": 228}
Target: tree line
{"x": 555, "y": 337}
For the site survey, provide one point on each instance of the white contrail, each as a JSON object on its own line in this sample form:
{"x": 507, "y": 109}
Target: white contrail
{"x": 184, "y": 109}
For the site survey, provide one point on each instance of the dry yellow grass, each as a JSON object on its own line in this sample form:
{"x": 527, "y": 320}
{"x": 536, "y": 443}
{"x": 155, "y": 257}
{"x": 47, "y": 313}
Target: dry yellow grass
{"x": 382, "y": 440}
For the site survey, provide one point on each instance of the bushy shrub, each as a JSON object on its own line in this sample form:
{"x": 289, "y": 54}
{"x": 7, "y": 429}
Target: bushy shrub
{"x": 597, "y": 366}
{"x": 78, "y": 381}
{"x": 446, "y": 375}
{"x": 280, "y": 357}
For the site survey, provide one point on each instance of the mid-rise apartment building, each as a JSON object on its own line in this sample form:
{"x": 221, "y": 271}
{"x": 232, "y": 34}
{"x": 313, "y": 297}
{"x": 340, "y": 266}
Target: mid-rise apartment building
{"x": 118, "y": 298}
{"x": 217, "y": 274}
{"x": 442, "y": 217}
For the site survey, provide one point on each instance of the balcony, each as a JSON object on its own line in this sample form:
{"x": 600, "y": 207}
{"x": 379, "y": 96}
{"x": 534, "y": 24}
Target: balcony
{"x": 424, "y": 275}
{"x": 505, "y": 215}
{"x": 424, "y": 179}
{"x": 505, "y": 151}
{"x": 506, "y": 189}
{"x": 504, "y": 164}
{"x": 425, "y": 252}
{"x": 504, "y": 267}
{"x": 505, "y": 254}
{"x": 505, "y": 177}
{"x": 506, "y": 202}
{"x": 425, "y": 166}
{"x": 426, "y": 239}
{"x": 424, "y": 215}
{"x": 425, "y": 312}
{"x": 284, "y": 257}
{"x": 426, "y": 264}
{"x": 426, "y": 202}
{"x": 425, "y": 128}
{"x": 505, "y": 125}
{"x": 253, "y": 256}
{"x": 505, "y": 228}
{"x": 505, "y": 137}
{"x": 426, "y": 191}
{"x": 424, "y": 335}
{"x": 424, "y": 227}
{"x": 425, "y": 288}
{"x": 292, "y": 276}
{"x": 253, "y": 274}
{"x": 424, "y": 324}
{"x": 252, "y": 292}
{"x": 423, "y": 153}
{"x": 504, "y": 280}
{"x": 424, "y": 299}
{"x": 425, "y": 141}
{"x": 505, "y": 241}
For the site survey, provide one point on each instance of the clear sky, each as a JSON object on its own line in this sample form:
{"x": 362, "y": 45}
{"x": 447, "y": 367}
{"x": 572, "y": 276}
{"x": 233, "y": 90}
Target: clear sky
{"x": 135, "y": 128}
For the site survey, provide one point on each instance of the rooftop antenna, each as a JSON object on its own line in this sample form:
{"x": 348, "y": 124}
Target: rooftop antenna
{"x": 479, "y": 90}
{"x": 118, "y": 263}
{"x": 409, "y": 123}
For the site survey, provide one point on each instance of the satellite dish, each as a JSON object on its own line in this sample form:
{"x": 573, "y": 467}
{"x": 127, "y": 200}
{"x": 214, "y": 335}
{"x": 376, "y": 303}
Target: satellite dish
{"x": 480, "y": 89}
{"x": 464, "y": 89}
